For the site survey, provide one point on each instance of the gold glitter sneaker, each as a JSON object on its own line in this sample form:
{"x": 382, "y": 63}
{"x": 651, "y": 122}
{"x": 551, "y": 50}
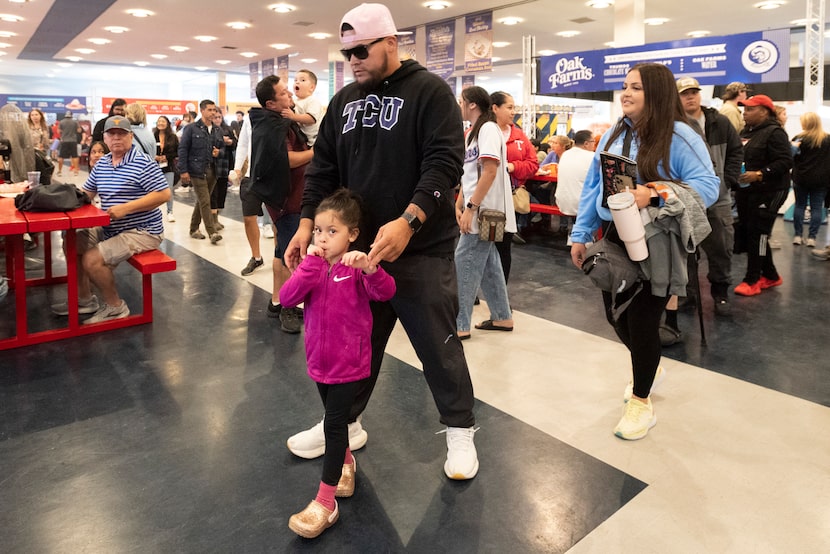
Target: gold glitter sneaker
{"x": 312, "y": 521}
{"x": 345, "y": 487}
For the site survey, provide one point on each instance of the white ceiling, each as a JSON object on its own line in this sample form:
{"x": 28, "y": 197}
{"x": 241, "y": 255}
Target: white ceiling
{"x": 61, "y": 26}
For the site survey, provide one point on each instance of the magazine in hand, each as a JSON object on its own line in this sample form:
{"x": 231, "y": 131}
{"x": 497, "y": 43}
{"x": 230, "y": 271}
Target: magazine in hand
{"x": 618, "y": 173}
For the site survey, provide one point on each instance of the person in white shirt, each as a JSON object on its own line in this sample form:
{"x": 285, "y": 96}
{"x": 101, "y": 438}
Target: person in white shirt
{"x": 573, "y": 167}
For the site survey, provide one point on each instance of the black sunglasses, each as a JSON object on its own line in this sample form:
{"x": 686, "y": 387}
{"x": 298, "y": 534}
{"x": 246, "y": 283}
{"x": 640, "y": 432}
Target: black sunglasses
{"x": 360, "y": 52}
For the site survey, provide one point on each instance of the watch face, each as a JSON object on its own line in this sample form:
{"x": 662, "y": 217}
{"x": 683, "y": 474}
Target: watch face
{"x": 414, "y": 222}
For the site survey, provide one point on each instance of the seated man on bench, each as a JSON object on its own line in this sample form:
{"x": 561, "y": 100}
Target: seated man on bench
{"x": 131, "y": 187}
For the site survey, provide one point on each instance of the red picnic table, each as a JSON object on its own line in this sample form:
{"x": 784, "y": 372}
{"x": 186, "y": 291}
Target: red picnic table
{"x": 13, "y": 225}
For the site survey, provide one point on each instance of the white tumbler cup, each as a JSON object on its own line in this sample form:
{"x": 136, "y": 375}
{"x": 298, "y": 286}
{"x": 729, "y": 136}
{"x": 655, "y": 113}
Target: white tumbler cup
{"x": 629, "y": 225}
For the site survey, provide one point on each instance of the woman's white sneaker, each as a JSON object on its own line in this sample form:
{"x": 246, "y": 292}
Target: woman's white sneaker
{"x": 637, "y": 419}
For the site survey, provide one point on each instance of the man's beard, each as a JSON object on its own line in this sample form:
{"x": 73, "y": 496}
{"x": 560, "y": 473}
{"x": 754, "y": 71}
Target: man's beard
{"x": 373, "y": 83}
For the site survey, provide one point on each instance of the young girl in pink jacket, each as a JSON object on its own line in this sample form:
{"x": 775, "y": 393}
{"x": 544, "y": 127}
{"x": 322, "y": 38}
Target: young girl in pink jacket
{"x": 335, "y": 285}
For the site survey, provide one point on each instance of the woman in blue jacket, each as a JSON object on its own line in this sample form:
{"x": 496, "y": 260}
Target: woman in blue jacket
{"x": 653, "y": 132}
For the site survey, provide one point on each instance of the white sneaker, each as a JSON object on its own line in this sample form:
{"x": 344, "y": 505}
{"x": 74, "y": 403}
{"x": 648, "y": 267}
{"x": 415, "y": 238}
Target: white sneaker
{"x": 311, "y": 443}
{"x": 108, "y": 312}
{"x": 170, "y": 217}
{"x": 638, "y": 418}
{"x": 462, "y": 459}
{"x": 267, "y": 232}
{"x": 89, "y": 306}
{"x": 658, "y": 379}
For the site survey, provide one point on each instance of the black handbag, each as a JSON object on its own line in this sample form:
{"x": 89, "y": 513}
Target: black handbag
{"x": 611, "y": 270}
{"x": 59, "y": 197}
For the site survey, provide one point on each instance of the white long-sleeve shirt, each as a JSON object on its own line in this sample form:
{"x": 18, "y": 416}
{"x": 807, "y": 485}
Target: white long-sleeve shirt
{"x": 243, "y": 147}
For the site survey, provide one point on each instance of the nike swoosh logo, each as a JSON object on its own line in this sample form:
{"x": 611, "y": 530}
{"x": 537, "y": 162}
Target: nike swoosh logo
{"x": 338, "y": 278}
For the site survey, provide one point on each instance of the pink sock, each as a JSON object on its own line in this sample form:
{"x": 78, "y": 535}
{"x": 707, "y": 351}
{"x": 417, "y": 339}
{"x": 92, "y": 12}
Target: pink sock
{"x": 325, "y": 495}
{"x": 349, "y": 458}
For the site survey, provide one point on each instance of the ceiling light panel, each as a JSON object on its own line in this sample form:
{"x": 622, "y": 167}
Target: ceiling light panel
{"x": 282, "y": 8}
{"x": 140, "y": 13}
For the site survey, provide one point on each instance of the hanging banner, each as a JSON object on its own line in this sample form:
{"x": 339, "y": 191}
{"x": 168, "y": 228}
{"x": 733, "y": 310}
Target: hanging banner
{"x": 468, "y": 81}
{"x": 453, "y": 82}
{"x": 46, "y": 104}
{"x": 760, "y": 57}
{"x": 282, "y": 69}
{"x": 478, "y": 43}
{"x": 337, "y": 70}
{"x": 406, "y": 45}
{"x": 253, "y": 71}
{"x": 441, "y": 47}
{"x": 155, "y": 107}
{"x": 267, "y": 67}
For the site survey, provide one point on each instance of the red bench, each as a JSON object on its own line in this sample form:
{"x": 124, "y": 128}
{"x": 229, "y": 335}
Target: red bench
{"x": 554, "y": 210}
{"x": 545, "y": 209}
{"x": 147, "y": 263}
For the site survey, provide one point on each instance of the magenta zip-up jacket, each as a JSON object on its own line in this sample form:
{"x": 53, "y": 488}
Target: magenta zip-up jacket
{"x": 338, "y": 320}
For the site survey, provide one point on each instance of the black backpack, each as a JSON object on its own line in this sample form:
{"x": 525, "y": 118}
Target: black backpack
{"x": 45, "y": 166}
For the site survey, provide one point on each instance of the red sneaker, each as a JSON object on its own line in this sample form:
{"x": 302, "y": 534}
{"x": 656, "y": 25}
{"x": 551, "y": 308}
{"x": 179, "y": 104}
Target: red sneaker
{"x": 745, "y": 289}
{"x": 769, "y": 283}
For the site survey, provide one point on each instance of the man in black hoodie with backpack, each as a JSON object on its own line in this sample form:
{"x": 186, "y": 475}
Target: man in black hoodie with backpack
{"x": 395, "y": 137}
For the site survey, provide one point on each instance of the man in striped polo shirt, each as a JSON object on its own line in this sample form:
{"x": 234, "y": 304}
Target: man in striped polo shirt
{"x": 131, "y": 187}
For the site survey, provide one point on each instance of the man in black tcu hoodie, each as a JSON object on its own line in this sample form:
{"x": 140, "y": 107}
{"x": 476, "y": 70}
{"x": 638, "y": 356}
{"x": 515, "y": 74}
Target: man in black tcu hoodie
{"x": 395, "y": 137}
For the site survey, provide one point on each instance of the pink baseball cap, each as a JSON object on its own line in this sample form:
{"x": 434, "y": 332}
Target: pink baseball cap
{"x": 367, "y": 22}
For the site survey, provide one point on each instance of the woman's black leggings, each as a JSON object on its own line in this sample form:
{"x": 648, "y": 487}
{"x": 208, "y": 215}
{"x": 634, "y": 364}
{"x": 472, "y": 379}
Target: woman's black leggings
{"x": 505, "y": 255}
{"x": 338, "y": 402}
{"x": 639, "y": 329}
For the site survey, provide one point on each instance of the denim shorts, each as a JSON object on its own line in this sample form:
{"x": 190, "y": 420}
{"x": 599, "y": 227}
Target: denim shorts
{"x": 287, "y": 225}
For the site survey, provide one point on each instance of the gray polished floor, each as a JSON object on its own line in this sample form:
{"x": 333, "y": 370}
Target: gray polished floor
{"x": 170, "y": 437}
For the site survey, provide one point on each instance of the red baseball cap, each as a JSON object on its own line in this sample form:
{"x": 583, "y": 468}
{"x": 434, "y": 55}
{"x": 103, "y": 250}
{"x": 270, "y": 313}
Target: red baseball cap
{"x": 759, "y": 100}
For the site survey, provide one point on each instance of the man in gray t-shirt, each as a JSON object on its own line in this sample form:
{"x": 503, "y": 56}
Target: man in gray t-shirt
{"x": 70, "y": 137}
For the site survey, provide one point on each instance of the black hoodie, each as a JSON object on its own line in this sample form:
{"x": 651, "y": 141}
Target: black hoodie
{"x": 270, "y": 170}
{"x": 402, "y": 143}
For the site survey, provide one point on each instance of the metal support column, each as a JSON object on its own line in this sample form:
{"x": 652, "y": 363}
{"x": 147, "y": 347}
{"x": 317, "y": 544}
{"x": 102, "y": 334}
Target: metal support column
{"x": 528, "y": 85}
{"x": 814, "y": 56}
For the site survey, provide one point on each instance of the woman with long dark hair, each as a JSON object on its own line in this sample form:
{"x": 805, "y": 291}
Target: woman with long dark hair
{"x": 39, "y": 130}
{"x": 672, "y": 159}
{"x": 167, "y": 148}
{"x": 484, "y": 185}
{"x": 521, "y": 165}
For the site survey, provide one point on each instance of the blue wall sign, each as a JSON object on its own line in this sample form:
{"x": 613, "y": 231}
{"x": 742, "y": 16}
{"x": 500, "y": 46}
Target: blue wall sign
{"x": 760, "y": 57}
